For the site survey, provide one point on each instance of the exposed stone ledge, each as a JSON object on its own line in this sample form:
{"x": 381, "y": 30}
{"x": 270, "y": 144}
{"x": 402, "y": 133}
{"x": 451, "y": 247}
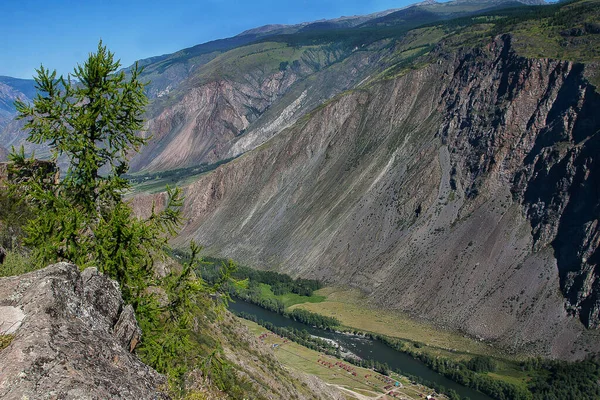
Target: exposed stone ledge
{"x": 73, "y": 338}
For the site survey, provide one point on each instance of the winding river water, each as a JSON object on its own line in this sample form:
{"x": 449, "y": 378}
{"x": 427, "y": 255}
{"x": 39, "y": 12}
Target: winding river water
{"x": 364, "y": 348}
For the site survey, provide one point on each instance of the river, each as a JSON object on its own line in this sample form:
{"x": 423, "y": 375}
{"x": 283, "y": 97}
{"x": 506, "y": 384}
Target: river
{"x": 364, "y": 348}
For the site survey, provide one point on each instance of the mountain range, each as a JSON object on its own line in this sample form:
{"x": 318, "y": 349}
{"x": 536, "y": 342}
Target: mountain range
{"x": 441, "y": 158}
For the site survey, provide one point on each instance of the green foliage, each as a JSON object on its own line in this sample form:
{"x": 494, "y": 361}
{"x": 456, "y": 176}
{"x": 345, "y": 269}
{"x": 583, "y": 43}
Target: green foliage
{"x": 5, "y": 341}
{"x": 195, "y": 395}
{"x": 281, "y": 283}
{"x": 563, "y": 380}
{"x": 271, "y": 290}
{"x": 313, "y": 319}
{"x": 482, "y": 364}
{"x": 176, "y": 322}
{"x": 223, "y": 375}
{"x": 82, "y": 218}
{"x": 93, "y": 121}
{"x": 17, "y": 262}
{"x": 167, "y": 321}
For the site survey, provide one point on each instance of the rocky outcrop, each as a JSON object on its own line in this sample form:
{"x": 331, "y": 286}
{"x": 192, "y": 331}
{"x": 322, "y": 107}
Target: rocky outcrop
{"x": 73, "y": 339}
{"x": 561, "y": 198}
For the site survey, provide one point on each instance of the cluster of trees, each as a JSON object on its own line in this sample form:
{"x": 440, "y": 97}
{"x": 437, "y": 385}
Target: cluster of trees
{"x": 482, "y": 364}
{"x": 301, "y": 337}
{"x": 175, "y": 175}
{"x": 280, "y": 283}
{"x": 382, "y": 368}
{"x": 563, "y": 380}
{"x": 313, "y": 319}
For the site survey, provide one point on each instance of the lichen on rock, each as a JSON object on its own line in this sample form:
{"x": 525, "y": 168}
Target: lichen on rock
{"x": 74, "y": 339}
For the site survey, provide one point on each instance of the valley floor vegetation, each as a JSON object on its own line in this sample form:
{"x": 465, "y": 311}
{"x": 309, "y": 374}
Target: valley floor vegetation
{"x": 535, "y": 378}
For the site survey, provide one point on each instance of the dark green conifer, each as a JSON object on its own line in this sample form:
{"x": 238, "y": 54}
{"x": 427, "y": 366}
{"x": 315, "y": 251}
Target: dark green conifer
{"x": 93, "y": 118}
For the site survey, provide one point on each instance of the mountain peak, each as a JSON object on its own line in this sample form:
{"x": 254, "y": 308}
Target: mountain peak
{"x": 525, "y": 2}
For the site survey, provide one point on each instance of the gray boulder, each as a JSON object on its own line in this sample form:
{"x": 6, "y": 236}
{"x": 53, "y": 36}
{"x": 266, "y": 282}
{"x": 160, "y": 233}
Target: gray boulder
{"x": 73, "y": 339}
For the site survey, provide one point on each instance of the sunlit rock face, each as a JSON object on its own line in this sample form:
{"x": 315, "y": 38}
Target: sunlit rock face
{"x": 73, "y": 338}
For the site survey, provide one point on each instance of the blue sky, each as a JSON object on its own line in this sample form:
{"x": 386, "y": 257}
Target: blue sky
{"x": 60, "y": 33}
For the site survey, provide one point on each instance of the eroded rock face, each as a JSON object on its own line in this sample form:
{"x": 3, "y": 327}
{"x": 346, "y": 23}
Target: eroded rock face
{"x": 210, "y": 119}
{"x": 464, "y": 193}
{"x": 73, "y": 339}
{"x": 532, "y": 125}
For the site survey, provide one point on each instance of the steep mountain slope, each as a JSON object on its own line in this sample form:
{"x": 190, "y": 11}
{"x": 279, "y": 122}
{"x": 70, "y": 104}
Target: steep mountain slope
{"x": 243, "y": 98}
{"x": 215, "y": 101}
{"x": 11, "y": 134}
{"x": 463, "y": 191}
{"x": 219, "y": 99}
{"x": 12, "y": 89}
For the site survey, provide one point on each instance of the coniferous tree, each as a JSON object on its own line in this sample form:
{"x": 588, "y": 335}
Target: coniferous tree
{"x": 93, "y": 118}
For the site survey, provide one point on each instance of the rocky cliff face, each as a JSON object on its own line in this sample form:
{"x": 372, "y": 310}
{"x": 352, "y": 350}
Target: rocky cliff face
{"x": 456, "y": 193}
{"x": 541, "y": 142}
{"x": 73, "y": 339}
